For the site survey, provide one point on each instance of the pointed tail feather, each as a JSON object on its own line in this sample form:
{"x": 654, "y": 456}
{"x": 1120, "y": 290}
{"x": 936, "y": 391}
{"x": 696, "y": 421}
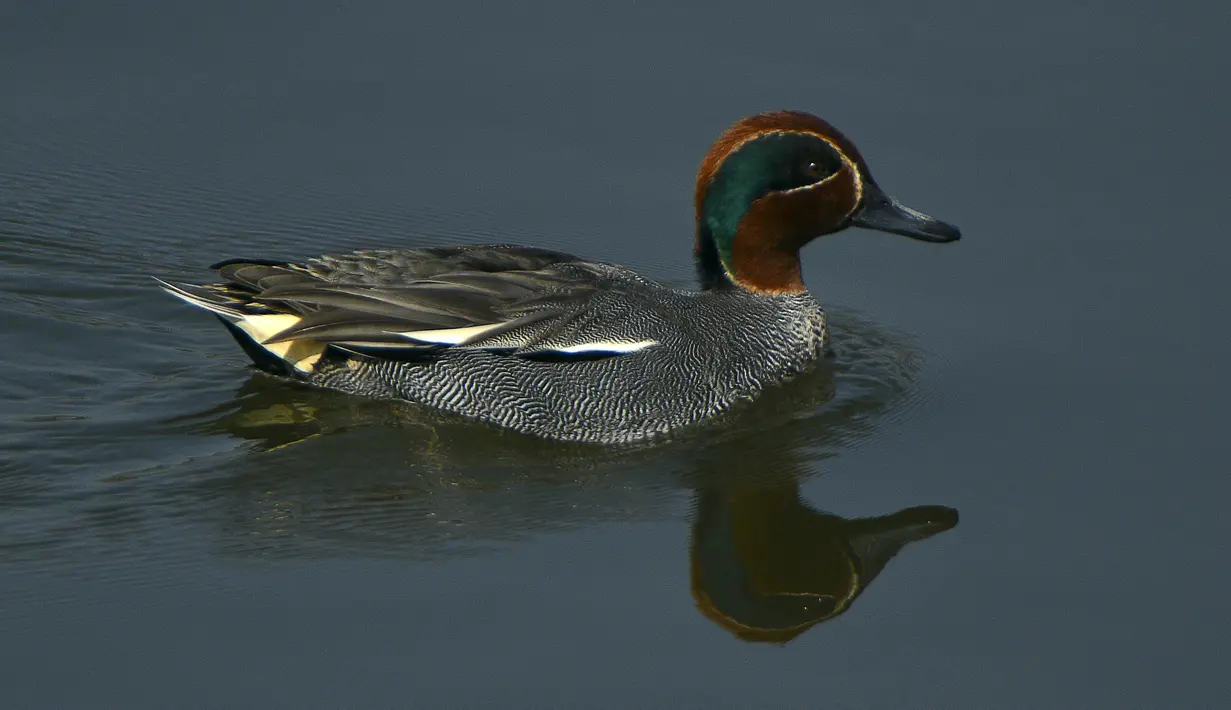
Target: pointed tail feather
{"x": 202, "y": 297}
{"x": 253, "y": 331}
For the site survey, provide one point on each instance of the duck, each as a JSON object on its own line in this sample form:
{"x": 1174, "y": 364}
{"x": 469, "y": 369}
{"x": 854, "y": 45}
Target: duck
{"x": 556, "y": 346}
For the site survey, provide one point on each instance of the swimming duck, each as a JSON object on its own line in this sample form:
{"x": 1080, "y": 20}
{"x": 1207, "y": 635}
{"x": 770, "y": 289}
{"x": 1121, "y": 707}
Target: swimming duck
{"x": 553, "y": 345}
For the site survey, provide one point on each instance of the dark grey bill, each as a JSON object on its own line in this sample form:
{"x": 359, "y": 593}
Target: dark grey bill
{"x": 885, "y": 214}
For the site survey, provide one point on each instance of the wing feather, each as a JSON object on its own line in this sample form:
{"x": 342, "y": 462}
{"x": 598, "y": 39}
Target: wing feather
{"x": 502, "y": 298}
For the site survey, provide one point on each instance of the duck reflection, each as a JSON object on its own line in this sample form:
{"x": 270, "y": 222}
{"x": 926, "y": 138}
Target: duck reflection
{"x": 767, "y": 567}
{"x": 342, "y": 474}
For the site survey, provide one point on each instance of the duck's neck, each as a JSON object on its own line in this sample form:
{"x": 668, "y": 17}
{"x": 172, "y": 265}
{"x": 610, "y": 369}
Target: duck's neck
{"x": 754, "y": 262}
{"x": 710, "y": 271}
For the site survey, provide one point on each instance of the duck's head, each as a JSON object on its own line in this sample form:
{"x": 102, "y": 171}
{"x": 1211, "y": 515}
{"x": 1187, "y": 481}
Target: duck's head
{"x": 775, "y": 181}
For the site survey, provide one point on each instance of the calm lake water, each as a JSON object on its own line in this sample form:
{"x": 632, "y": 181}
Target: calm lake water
{"x": 176, "y": 530}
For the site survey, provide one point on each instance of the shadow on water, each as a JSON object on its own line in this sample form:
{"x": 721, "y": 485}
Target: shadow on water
{"x": 333, "y": 474}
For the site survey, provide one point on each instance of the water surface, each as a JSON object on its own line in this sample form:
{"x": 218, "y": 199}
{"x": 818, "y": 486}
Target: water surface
{"x": 176, "y": 528}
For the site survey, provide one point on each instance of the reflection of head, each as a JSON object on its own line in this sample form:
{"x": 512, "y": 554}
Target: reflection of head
{"x": 767, "y": 567}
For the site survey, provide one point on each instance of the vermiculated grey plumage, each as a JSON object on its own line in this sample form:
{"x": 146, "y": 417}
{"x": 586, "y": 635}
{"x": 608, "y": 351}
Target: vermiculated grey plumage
{"x": 543, "y": 370}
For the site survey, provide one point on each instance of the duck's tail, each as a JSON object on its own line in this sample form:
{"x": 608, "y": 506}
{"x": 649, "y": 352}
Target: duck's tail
{"x": 252, "y": 325}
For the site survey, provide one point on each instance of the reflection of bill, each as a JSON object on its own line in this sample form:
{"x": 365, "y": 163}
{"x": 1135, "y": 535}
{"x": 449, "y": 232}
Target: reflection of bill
{"x": 767, "y": 567}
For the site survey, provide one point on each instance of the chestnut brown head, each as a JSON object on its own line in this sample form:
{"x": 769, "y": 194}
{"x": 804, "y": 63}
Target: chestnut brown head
{"x": 775, "y": 181}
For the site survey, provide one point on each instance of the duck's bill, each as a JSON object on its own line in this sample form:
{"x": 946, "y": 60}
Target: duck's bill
{"x": 885, "y": 214}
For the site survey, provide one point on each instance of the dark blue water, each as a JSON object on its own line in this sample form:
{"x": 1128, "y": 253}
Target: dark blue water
{"x": 176, "y": 530}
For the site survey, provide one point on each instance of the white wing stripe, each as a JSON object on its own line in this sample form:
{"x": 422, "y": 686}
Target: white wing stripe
{"x": 449, "y": 336}
{"x": 605, "y": 346}
{"x": 461, "y": 336}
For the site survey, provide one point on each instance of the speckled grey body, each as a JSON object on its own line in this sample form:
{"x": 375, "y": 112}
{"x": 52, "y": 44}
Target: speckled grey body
{"x": 695, "y": 353}
{"x": 716, "y": 348}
